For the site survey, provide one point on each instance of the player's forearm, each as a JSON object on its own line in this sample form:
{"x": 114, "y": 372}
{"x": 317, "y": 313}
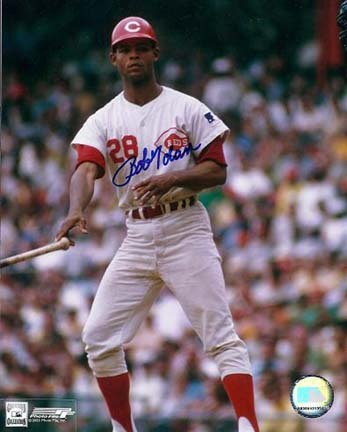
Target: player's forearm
{"x": 202, "y": 176}
{"x": 82, "y": 187}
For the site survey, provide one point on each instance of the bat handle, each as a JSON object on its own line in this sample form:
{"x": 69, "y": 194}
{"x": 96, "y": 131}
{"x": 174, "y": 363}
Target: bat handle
{"x": 63, "y": 243}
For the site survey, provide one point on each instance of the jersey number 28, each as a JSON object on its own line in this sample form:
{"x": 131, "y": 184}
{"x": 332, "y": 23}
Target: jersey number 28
{"x": 123, "y": 149}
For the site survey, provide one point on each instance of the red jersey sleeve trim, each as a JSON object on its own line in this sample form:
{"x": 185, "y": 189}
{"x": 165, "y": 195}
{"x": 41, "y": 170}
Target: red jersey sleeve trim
{"x": 214, "y": 152}
{"x": 87, "y": 153}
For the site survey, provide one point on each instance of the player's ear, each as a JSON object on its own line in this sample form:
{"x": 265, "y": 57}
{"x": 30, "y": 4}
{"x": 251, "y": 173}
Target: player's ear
{"x": 113, "y": 58}
{"x": 156, "y": 51}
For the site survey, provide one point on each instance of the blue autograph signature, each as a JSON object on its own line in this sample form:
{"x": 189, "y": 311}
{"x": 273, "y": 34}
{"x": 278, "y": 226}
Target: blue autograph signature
{"x": 134, "y": 166}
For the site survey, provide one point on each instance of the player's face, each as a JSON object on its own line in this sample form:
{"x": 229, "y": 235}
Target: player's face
{"x": 134, "y": 59}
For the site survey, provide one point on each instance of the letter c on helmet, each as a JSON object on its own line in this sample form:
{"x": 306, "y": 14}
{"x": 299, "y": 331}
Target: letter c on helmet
{"x": 132, "y": 26}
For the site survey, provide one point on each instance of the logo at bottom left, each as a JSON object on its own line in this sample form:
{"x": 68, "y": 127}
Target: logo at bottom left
{"x": 16, "y": 414}
{"x": 20, "y": 413}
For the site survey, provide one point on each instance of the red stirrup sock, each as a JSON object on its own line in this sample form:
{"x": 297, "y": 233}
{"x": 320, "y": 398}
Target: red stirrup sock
{"x": 240, "y": 391}
{"x": 115, "y": 390}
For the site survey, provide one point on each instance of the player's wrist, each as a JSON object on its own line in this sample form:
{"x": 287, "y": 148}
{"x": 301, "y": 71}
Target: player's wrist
{"x": 75, "y": 213}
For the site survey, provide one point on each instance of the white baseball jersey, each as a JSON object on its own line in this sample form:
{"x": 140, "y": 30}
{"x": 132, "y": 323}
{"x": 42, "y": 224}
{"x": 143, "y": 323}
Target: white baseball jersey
{"x": 166, "y": 134}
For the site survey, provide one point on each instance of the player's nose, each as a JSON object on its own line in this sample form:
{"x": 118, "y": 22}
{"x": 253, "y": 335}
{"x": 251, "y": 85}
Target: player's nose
{"x": 133, "y": 53}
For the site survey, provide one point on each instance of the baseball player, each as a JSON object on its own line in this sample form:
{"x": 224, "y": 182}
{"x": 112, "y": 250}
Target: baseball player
{"x": 160, "y": 148}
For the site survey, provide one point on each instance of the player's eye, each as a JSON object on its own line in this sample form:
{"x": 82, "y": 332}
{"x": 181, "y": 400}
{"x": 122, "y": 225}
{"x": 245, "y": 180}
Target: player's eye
{"x": 122, "y": 49}
{"x": 143, "y": 48}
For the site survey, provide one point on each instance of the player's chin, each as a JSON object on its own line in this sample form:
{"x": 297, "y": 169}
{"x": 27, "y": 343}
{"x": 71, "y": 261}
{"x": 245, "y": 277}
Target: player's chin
{"x": 137, "y": 77}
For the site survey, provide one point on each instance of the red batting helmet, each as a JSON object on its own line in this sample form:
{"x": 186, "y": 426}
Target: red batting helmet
{"x": 131, "y": 28}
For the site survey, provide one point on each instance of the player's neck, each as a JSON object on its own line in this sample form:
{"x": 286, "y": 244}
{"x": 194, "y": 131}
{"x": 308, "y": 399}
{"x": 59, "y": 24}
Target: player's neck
{"x": 142, "y": 94}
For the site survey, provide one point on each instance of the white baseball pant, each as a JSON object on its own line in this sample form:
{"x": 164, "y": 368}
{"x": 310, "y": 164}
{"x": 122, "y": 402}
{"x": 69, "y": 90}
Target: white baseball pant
{"x": 175, "y": 249}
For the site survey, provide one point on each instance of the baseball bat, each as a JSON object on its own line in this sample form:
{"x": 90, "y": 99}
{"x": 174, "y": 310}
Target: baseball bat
{"x": 63, "y": 243}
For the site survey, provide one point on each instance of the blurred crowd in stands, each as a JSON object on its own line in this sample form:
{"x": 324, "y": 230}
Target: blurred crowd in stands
{"x": 280, "y": 223}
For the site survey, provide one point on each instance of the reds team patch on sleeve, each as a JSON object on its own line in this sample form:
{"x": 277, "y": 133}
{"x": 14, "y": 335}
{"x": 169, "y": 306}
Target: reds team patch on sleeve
{"x": 209, "y": 117}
